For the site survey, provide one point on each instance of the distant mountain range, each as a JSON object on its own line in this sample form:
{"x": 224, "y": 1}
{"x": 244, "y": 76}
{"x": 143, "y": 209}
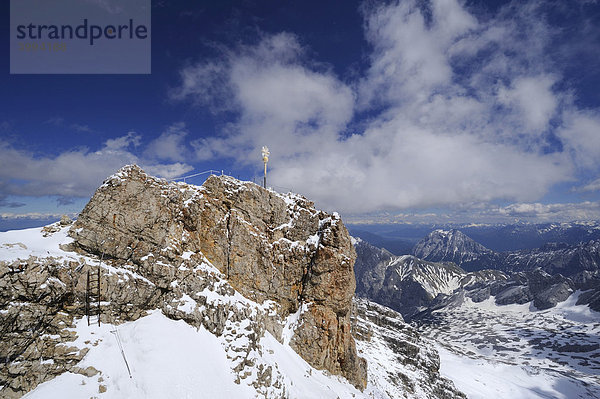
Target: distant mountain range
{"x": 455, "y": 246}
{"x": 414, "y": 286}
{"x": 401, "y": 238}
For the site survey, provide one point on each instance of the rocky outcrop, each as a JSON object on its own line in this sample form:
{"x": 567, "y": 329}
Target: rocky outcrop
{"x": 33, "y": 322}
{"x": 411, "y": 366}
{"x": 269, "y": 247}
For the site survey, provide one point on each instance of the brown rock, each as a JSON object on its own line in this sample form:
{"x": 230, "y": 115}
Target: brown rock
{"x": 269, "y": 246}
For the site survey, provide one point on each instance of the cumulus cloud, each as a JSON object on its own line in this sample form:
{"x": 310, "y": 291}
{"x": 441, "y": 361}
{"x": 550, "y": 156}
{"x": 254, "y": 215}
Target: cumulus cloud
{"x": 169, "y": 171}
{"x": 122, "y": 143}
{"x": 533, "y": 99}
{"x": 552, "y": 212}
{"x": 170, "y": 145}
{"x": 206, "y": 84}
{"x": 580, "y": 136}
{"x": 461, "y": 109}
{"x": 74, "y": 173}
{"x": 591, "y": 186}
{"x": 409, "y": 58}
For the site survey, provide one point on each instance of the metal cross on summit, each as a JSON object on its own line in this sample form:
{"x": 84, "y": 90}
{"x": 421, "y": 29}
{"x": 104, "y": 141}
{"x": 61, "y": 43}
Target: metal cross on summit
{"x": 265, "y": 157}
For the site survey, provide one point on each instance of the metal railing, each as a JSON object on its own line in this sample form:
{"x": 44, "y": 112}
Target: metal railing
{"x": 206, "y": 172}
{"x": 255, "y": 180}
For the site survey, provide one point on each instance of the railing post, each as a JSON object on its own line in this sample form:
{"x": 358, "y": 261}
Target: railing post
{"x": 99, "y": 295}
{"x": 87, "y": 298}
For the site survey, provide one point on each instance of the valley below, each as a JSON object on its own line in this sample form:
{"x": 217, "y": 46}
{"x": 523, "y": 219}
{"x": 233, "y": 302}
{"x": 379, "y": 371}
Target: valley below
{"x": 491, "y": 350}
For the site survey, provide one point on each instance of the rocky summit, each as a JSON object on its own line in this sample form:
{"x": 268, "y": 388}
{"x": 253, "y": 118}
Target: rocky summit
{"x": 269, "y": 247}
{"x": 264, "y": 282}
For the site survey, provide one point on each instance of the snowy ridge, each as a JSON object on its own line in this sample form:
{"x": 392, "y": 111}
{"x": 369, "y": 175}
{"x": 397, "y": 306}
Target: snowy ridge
{"x": 434, "y": 278}
{"x": 401, "y": 365}
{"x": 556, "y": 258}
{"x": 553, "y": 257}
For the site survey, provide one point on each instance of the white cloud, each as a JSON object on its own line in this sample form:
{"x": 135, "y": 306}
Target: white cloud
{"x": 591, "y": 186}
{"x": 459, "y": 111}
{"x": 168, "y": 171}
{"x": 408, "y": 59}
{"x": 123, "y": 142}
{"x": 291, "y": 108}
{"x": 206, "y": 84}
{"x": 533, "y": 99}
{"x": 75, "y": 173}
{"x": 170, "y": 145}
{"x": 487, "y": 213}
{"x": 580, "y": 134}
{"x": 552, "y": 212}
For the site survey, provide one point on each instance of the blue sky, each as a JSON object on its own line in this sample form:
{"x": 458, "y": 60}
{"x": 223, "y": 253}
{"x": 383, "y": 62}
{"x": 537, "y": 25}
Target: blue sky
{"x": 419, "y": 111}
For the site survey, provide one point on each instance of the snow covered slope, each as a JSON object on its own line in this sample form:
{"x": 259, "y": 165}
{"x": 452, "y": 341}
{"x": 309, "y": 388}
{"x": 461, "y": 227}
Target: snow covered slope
{"x": 172, "y": 359}
{"x": 434, "y": 278}
{"x": 518, "y": 351}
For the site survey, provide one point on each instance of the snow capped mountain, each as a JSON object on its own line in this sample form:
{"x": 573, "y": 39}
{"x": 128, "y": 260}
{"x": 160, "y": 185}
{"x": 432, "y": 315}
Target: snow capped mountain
{"x": 409, "y": 284}
{"x": 401, "y": 238}
{"x": 454, "y": 246}
{"x": 413, "y": 286}
{"x": 434, "y": 278}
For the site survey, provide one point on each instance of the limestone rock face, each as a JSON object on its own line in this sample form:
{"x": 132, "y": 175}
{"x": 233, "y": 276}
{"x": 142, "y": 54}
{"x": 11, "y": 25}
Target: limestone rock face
{"x": 269, "y": 247}
{"x": 411, "y": 367}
